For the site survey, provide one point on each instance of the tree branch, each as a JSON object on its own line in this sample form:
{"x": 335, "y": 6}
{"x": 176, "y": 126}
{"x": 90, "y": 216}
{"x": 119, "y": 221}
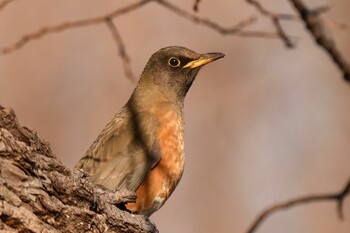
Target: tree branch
{"x": 108, "y": 20}
{"x": 236, "y": 30}
{"x": 317, "y": 29}
{"x": 70, "y": 25}
{"x": 39, "y": 194}
{"x": 337, "y": 197}
{"x": 49, "y": 186}
{"x": 276, "y": 20}
{"x": 122, "y": 50}
{"x": 196, "y": 5}
{"x": 4, "y": 3}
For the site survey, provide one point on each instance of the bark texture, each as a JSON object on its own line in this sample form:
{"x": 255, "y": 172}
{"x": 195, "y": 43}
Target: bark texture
{"x": 39, "y": 194}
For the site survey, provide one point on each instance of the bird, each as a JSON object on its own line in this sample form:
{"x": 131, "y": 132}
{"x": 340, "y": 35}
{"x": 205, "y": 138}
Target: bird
{"x": 142, "y": 148}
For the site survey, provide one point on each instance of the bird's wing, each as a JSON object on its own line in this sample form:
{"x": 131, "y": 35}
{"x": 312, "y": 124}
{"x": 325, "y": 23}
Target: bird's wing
{"x": 124, "y": 153}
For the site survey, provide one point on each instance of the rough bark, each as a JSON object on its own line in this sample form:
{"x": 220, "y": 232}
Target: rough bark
{"x": 39, "y": 194}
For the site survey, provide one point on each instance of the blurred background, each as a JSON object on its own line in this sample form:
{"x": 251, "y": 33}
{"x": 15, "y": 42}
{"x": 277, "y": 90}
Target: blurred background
{"x": 263, "y": 125}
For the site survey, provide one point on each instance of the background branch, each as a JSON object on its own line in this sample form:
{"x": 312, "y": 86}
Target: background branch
{"x": 234, "y": 30}
{"x": 122, "y": 50}
{"x": 4, "y": 3}
{"x": 107, "y": 18}
{"x": 276, "y": 20}
{"x": 196, "y": 5}
{"x": 317, "y": 29}
{"x": 337, "y": 197}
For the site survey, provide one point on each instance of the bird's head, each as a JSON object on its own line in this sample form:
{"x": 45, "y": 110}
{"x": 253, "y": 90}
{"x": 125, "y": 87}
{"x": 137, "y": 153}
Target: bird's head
{"x": 172, "y": 70}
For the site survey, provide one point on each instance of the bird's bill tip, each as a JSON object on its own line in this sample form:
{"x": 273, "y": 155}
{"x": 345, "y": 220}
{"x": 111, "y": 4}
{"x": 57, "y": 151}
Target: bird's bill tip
{"x": 204, "y": 59}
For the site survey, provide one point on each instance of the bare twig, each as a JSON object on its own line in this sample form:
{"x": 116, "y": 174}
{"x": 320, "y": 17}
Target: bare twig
{"x": 4, "y": 3}
{"x": 266, "y": 12}
{"x": 207, "y": 22}
{"x": 262, "y": 34}
{"x": 337, "y": 197}
{"x": 276, "y": 20}
{"x": 280, "y": 31}
{"x": 196, "y": 5}
{"x": 236, "y": 30}
{"x": 107, "y": 18}
{"x": 317, "y": 28}
{"x": 122, "y": 51}
{"x": 69, "y": 25}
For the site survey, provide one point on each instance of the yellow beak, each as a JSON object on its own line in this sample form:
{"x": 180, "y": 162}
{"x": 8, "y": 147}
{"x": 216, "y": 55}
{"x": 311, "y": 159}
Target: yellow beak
{"x": 204, "y": 59}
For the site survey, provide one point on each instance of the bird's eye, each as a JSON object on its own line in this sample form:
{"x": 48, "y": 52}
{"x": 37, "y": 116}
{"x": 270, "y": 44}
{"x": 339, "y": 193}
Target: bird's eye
{"x": 174, "y": 62}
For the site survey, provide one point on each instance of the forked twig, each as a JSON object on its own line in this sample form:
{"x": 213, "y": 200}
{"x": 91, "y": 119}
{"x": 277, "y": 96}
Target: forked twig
{"x": 317, "y": 29}
{"x": 338, "y": 25}
{"x": 276, "y": 20}
{"x": 70, "y": 25}
{"x": 233, "y": 30}
{"x": 107, "y": 18}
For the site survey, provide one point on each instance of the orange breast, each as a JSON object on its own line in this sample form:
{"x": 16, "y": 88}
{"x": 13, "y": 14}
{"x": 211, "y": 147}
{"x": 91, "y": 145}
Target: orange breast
{"x": 165, "y": 176}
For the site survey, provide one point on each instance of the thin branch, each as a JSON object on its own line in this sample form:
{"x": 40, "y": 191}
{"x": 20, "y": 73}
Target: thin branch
{"x": 4, "y": 3}
{"x": 276, "y": 20}
{"x": 259, "y": 7}
{"x": 196, "y": 5}
{"x": 207, "y": 22}
{"x": 122, "y": 50}
{"x": 340, "y": 200}
{"x": 70, "y": 25}
{"x": 236, "y": 30}
{"x": 317, "y": 28}
{"x": 337, "y": 197}
{"x": 280, "y": 31}
{"x": 262, "y": 34}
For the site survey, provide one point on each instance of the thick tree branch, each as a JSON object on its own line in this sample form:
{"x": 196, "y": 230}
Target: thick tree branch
{"x": 39, "y": 194}
{"x": 337, "y": 197}
{"x": 317, "y": 28}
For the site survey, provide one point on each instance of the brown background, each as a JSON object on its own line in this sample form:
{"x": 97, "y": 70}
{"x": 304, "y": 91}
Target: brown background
{"x": 262, "y": 125}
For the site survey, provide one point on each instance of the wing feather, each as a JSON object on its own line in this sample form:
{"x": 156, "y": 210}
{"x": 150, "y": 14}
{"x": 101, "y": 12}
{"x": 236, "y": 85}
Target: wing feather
{"x": 124, "y": 153}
